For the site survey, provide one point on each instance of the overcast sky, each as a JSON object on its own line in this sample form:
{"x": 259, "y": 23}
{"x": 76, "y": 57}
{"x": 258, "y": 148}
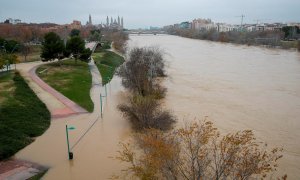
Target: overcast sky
{"x": 145, "y": 13}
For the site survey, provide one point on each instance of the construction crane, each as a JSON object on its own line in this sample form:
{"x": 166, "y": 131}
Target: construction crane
{"x": 242, "y": 19}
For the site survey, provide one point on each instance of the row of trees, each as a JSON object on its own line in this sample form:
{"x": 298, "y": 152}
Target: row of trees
{"x": 250, "y": 38}
{"x": 119, "y": 39}
{"x": 55, "y": 48}
{"x": 196, "y": 151}
{"x": 140, "y": 75}
{"x": 35, "y": 32}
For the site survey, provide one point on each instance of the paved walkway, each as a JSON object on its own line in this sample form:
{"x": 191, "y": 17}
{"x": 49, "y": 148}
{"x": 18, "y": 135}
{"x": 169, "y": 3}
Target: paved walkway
{"x": 59, "y": 106}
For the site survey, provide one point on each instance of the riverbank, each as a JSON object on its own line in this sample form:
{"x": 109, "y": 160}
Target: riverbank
{"x": 107, "y": 63}
{"x": 268, "y": 39}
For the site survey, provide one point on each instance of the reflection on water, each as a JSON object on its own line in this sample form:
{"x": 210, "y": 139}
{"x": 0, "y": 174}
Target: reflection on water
{"x": 238, "y": 87}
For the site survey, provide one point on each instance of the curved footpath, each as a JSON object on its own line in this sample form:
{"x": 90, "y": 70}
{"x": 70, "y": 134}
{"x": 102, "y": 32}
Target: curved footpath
{"x": 59, "y": 106}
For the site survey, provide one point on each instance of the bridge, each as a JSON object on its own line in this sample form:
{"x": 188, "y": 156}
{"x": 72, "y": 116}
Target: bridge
{"x": 139, "y": 32}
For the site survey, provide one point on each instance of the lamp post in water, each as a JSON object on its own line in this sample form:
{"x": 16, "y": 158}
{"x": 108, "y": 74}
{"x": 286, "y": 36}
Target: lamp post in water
{"x": 70, "y": 154}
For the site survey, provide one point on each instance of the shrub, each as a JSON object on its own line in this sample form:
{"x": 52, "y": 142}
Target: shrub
{"x": 141, "y": 71}
{"x": 145, "y": 113}
{"x": 197, "y": 151}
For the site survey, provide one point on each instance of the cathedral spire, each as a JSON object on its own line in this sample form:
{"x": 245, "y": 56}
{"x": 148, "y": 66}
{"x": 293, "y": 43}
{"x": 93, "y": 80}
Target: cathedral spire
{"x": 90, "y": 19}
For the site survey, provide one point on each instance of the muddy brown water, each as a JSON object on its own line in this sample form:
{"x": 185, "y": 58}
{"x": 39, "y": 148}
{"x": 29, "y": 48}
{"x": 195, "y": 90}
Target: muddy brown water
{"x": 237, "y": 87}
{"x": 93, "y": 155}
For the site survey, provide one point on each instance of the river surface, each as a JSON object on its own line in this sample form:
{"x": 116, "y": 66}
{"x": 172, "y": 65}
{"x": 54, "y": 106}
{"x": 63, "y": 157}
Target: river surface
{"x": 238, "y": 87}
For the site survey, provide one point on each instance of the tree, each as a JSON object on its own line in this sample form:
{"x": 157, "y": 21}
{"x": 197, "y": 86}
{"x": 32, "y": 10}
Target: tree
{"x": 25, "y": 50}
{"x": 76, "y": 46}
{"x": 197, "y": 151}
{"x": 85, "y": 55}
{"x": 11, "y": 46}
{"x": 145, "y": 113}
{"x": 95, "y": 35}
{"x": 6, "y": 59}
{"x": 140, "y": 72}
{"x": 74, "y": 32}
{"x": 2, "y": 61}
{"x": 53, "y": 47}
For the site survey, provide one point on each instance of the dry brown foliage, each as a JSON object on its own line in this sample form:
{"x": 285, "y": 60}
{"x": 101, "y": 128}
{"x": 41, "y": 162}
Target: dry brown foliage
{"x": 197, "y": 151}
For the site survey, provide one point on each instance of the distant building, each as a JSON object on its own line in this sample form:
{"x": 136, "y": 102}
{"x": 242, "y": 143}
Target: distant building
{"x": 12, "y": 21}
{"x": 90, "y": 20}
{"x": 114, "y": 23}
{"x": 154, "y": 28}
{"x": 89, "y": 23}
{"x": 75, "y": 25}
{"x": 223, "y": 27}
{"x": 185, "y": 25}
{"x": 203, "y": 24}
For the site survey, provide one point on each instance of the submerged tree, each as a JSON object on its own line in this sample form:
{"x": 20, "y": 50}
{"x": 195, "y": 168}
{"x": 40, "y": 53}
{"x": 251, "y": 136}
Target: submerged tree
{"x": 197, "y": 151}
{"x": 141, "y": 71}
{"x": 145, "y": 113}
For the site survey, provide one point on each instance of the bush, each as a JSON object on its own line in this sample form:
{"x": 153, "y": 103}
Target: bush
{"x": 145, "y": 113}
{"x": 141, "y": 71}
{"x": 197, "y": 151}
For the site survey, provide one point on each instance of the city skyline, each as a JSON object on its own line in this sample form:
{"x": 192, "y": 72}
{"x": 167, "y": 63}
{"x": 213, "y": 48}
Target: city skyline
{"x": 142, "y": 14}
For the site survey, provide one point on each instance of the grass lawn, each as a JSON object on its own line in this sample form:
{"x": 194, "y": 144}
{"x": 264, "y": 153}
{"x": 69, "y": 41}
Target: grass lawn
{"x": 107, "y": 62}
{"x": 72, "y": 80}
{"x": 22, "y": 115}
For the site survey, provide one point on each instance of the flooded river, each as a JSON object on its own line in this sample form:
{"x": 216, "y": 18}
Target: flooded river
{"x": 237, "y": 87}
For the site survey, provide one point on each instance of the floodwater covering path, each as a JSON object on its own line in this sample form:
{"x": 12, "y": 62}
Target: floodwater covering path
{"x": 92, "y": 155}
{"x": 238, "y": 87}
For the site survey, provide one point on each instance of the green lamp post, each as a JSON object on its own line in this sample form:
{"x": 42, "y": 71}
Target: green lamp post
{"x": 70, "y": 154}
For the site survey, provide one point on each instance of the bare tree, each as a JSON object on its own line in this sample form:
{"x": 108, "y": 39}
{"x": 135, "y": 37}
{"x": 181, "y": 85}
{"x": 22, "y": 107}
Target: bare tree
{"x": 140, "y": 72}
{"x": 25, "y": 50}
{"x": 145, "y": 113}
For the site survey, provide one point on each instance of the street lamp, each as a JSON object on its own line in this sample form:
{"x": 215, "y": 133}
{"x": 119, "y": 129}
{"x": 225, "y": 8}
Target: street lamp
{"x": 70, "y": 154}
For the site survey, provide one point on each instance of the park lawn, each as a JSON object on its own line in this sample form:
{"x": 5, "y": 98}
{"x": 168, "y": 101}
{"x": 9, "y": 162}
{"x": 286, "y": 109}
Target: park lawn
{"x": 22, "y": 115}
{"x": 107, "y": 63}
{"x": 72, "y": 79}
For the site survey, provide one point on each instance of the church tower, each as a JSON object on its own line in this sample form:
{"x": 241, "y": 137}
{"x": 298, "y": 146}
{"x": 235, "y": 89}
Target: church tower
{"x": 122, "y": 23}
{"x": 119, "y": 21}
{"x": 107, "y": 21}
{"x": 90, "y": 20}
